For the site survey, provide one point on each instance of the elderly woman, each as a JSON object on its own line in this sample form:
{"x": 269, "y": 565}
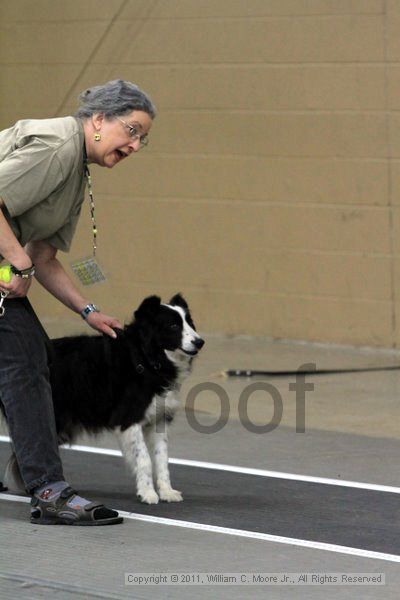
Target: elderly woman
{"x": 43, "y": 175}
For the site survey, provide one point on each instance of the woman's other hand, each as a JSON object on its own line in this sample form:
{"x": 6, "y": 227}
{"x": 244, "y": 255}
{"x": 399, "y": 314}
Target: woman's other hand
{"x": 103, "y": 323}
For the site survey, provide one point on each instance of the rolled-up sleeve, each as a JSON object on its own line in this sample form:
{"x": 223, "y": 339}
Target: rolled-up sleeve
{"x": 29, "y": 175}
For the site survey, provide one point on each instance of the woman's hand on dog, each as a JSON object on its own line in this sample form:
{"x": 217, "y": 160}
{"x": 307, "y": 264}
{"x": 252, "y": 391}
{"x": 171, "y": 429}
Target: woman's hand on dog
{"x": 103, "y": 323}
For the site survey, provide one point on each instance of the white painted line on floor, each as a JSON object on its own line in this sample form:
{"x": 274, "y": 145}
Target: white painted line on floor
{"x": 244, "y": 470}
{"x": 265, "y": 537}
{"x": 13, "y": 498}
{"x": 291, "y": 476}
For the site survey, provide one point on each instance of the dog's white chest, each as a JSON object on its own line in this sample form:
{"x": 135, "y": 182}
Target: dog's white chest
{"x": 161, "y": 407}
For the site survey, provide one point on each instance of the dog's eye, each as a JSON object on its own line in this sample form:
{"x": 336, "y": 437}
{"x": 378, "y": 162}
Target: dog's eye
{"x": 174, "y": 326}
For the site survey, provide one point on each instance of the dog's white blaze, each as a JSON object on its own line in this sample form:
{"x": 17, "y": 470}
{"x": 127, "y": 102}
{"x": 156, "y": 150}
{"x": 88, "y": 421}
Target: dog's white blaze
{"x": 189, "y": 335}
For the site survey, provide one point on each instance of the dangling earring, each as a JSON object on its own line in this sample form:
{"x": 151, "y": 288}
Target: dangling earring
{"x": 97, "y": 137}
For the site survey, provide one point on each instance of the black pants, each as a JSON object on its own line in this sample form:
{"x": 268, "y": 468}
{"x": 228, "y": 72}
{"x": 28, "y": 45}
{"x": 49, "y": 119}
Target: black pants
{"x": 25, "y": 393}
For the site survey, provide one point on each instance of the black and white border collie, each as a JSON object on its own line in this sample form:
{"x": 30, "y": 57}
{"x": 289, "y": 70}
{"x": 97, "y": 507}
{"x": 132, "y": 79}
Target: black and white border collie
{"x": 129, "y": 385}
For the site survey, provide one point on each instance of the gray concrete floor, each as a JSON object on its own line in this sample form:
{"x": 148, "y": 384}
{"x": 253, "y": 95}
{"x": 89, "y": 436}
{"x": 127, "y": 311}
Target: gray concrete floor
{"x": 352, "y": 433}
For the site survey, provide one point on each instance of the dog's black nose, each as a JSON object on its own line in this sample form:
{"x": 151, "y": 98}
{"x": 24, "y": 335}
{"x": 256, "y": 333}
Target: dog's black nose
{"x": 198, "y": 343}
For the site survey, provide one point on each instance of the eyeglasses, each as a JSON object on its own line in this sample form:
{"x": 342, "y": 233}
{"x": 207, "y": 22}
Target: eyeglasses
{"x": 133, "y": 132}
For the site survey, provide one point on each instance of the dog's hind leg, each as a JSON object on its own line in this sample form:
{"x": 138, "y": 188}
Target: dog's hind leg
{"x": 138, "y": 458}
{"x": 156, "y": 436}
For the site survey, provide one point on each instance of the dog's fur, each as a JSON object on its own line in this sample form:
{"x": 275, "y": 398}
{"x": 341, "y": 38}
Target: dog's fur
{"x": 128, "y": 385}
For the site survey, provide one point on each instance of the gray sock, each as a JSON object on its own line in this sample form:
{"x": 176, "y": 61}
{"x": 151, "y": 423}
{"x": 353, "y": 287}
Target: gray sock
{"x": 51, "y": 491}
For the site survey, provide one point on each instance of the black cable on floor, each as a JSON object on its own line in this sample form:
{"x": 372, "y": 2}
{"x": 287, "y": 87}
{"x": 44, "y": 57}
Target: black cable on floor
{"x": 261, "y": 373}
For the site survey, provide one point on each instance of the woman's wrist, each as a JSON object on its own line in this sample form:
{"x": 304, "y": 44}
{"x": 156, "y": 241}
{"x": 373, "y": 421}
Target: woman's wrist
{"x": 23, "y": 273}
{"x": 21, "y": 262}
{"x": 89, "y": 308}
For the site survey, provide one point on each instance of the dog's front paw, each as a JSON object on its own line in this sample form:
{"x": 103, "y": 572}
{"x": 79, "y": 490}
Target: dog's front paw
{"x": 170, "y": 495}
{"x": 148, "y": 496}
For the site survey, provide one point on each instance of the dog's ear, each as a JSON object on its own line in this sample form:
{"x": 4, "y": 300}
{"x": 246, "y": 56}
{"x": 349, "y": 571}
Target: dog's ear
{"x": 148, "y": 308}
{"x": 178, "y": 300}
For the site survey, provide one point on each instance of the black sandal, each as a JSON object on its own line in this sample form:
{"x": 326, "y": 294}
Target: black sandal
{"x": 59, "y": 513}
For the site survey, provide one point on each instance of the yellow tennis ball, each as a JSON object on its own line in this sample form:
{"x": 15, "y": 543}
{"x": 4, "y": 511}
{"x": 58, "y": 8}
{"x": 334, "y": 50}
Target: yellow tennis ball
{"x": 5, "y": 274}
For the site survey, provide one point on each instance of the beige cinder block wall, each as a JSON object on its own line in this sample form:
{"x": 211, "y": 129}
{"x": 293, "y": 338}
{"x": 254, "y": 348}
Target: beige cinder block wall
{"x": 270, "y": 193}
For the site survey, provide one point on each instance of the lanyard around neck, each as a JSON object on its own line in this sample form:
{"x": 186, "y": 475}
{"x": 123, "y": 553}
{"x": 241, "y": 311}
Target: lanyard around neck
{"x": 91, "y": 203}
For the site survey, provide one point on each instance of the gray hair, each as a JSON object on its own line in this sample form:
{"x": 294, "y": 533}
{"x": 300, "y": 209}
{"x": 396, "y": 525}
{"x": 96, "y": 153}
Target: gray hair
{"x": 114, "y": 98}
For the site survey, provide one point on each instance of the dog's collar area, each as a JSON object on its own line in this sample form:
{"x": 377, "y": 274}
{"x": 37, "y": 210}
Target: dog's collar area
{"x": 145, "y": 362}
{"x": 141, "y": 368}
